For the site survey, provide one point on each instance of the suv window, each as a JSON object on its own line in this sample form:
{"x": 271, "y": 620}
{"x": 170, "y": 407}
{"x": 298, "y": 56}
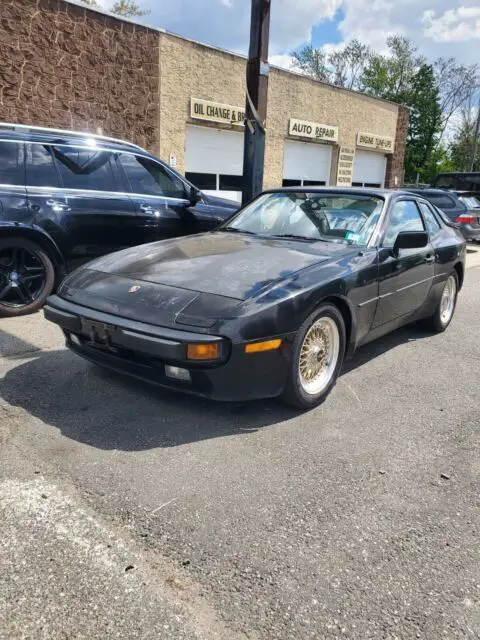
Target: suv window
{"x": 149, "y": 177}
{"x": 404, "y": 216}
{"x": 41, "y": 171}
{"x": 441, "y": 200}
{"x": 12, "y": 163}
{"x": 433, "y": 226}
{"x": 88, "y": 169}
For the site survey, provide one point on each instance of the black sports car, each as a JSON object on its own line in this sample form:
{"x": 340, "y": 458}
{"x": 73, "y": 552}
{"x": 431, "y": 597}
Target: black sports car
{"x": 271, "y": 302}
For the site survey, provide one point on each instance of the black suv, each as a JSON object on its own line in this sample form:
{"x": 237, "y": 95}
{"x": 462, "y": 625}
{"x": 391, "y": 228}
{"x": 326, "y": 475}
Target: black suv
{"x": 68, "y": 197}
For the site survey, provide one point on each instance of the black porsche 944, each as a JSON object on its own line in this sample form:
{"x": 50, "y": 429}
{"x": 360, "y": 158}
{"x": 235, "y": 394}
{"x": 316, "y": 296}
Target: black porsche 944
{"x": 272, "y": 302}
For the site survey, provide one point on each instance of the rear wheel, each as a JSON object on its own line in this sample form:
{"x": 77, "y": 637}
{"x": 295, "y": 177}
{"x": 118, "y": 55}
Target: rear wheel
{"x": 27, "y": 277}
{"x": 318, "y": 352}
{"x": 443, "y": 314}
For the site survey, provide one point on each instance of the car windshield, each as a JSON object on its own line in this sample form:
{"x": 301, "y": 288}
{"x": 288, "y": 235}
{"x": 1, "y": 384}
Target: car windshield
{"x": 332, "y": 217}
{"x": 470, "y": 202}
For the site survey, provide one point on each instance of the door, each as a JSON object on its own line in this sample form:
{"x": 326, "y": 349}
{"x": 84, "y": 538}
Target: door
{"x": 79, "y": 200}
{"x": 13, "y": 200}
{"x": 161, "y": 200}
{"x": 369, "y": 169}
{"x": 404, "y": 280}
{"x": 306, "y": 164}
{"x": 214, "y": 161}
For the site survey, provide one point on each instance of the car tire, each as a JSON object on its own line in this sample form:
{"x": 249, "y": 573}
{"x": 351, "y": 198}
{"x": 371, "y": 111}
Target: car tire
{"x": 445, "y": 310}
{"x": 321, "y": 337}
{"x": 27, "y": 277}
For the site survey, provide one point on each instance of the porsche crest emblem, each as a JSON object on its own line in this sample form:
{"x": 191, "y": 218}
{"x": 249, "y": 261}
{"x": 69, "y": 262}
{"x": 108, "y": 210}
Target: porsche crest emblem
{"x": 134, "y": 289}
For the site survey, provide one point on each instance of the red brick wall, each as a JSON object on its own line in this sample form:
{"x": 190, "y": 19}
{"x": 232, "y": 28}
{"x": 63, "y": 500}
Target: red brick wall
{"x": 65, "y": 66}
{"x": 395, "y": 162}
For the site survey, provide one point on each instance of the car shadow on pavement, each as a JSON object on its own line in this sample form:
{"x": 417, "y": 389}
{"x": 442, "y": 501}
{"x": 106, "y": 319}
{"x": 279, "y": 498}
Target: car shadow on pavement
{"x": 106, "y": 410}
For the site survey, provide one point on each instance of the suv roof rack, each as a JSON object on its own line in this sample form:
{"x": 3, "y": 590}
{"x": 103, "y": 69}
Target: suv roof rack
{"x": 10, "y": 126}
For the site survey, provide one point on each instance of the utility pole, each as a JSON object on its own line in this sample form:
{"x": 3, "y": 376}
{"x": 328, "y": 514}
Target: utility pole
{"x": 473, "y": 152}
{"x": 256, "y": 108}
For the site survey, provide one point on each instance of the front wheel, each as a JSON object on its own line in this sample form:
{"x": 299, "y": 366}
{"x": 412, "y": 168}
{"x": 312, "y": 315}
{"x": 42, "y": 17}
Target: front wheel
{"x": 27, "y": 277}
{"x": 443, "y": 314}
{"x": 317, "y": 358}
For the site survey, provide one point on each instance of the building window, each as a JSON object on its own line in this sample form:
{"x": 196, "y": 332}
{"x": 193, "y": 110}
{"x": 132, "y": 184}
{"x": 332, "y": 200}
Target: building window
{"x": 202, "y": 181}
{"x": 371, "y": 185}
{"x": 231, "y": 183}
{"x": 303, "y": 183}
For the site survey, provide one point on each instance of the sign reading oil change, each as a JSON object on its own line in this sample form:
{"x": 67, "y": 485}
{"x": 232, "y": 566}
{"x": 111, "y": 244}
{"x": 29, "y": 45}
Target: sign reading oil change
{"x": 372, "y": 141}
{"x": 312, "y": 130}
{"x": 216, "y": 112}
{"x": 346, "y": 158}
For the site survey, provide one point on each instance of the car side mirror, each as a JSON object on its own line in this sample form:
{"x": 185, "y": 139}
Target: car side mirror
{"x": 194, "y": 196}
{"x": 410, "y": 240}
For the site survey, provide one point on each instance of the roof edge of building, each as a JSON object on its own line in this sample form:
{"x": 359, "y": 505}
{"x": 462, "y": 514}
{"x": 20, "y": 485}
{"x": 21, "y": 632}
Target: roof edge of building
{"x": 335, "y": 87}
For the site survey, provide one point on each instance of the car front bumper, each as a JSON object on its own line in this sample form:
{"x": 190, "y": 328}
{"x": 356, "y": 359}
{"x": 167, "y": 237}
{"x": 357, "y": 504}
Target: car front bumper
{"x": 143, "y": 351}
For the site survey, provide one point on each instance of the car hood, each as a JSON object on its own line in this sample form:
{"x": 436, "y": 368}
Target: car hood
{"x": 221, "y": 202}
{"x": 226, "y": 264}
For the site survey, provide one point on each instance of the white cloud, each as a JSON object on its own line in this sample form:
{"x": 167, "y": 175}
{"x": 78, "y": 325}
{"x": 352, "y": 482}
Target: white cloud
{"x": 418, "y": 20}
{"x": 454, "y": 25}
{"x": 438, "y": 27}
{"x": 282, "y": 60}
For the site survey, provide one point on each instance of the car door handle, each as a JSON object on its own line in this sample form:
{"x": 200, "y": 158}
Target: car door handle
{"x": 58, "y": 206}
{"x": 430, "y": 259}
{"x": 146, "y": 208}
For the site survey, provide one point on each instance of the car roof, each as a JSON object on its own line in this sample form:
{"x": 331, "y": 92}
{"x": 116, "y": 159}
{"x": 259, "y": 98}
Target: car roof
{"x": 60, "y": 136}
{"x": 361, "y": 191}
{"x": 432, "y": 192}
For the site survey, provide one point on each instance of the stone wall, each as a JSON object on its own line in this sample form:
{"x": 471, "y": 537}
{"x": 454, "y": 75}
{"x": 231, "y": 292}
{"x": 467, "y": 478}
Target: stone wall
{"x": 396, "y": 161}
{"x": 65, "y": 66}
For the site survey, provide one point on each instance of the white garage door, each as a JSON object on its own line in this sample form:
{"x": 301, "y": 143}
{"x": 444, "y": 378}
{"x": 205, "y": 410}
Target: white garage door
{"x": 369, "y": 169}
{"x": 306, "y": 164}
{"x": 214, "y": 161}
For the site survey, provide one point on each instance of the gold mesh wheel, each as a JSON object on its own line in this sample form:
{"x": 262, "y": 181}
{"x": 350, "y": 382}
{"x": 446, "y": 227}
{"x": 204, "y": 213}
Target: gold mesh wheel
{"x": 318, "y": 356}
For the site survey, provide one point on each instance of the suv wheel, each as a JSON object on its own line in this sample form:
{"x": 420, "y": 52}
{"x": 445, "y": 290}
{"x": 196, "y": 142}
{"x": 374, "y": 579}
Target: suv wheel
{"x": 27, "y": 277}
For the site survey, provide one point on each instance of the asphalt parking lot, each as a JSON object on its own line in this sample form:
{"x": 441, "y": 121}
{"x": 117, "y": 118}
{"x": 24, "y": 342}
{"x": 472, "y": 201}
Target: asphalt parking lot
{"x": 126, "y": 511}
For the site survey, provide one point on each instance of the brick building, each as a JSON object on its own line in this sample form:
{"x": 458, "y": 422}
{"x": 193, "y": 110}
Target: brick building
{"x": 65, "y": 65}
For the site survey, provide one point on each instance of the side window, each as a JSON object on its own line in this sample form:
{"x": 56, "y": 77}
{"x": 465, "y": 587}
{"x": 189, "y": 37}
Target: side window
{"x": 433, "y": 226}
{"x": 151, "y": 178}
{"x": 404, "y": 216}
{"x": 88, "y": 169}
{"x": 41, "y": 171}
{"x": 12, "y": 163}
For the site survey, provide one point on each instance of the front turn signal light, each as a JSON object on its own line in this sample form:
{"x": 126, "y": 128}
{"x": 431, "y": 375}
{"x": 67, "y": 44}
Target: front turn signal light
{"x": 203, "y": 351}
{"x": 268, "y": 345}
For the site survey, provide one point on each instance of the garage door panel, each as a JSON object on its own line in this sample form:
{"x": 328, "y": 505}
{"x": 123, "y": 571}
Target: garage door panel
{"x": 214, "y": 151}
{"x": 369, "y": 168}
{"x": 307, "y": 161}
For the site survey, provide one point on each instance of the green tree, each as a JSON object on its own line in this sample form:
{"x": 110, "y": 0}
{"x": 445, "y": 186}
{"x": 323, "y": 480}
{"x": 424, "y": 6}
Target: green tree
{"x": 343, "y": 67}
{"x": 127, "y": 8}
{"x": 422, "y": 96}
{"x": 312, "y": 62}
{"x": 391, "y": 76}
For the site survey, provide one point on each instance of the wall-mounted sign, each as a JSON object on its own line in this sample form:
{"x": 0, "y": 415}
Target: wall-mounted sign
{"x": 173, "y": 159}
{"x": 372, "y": 141}
{"x": 312, "y": 130}
{"x": 346, "y": 158}
{"x": 216, "y": 112}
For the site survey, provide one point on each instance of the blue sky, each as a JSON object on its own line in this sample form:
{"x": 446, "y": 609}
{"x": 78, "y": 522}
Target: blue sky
{"x": 438, "y": 27}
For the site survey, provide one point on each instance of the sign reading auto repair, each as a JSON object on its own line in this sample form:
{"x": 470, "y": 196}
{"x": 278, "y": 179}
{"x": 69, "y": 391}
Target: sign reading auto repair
{"x": 345, "y": 167}
{"x": 372, "y": 141}
{"x": 312, "y": 130}
{"x": 216, "y": 112}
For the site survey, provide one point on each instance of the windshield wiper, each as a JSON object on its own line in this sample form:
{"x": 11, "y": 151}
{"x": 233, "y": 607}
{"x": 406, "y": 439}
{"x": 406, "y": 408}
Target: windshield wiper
{"x": 292, "y": 236}
{"x": 236, "y": 230}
